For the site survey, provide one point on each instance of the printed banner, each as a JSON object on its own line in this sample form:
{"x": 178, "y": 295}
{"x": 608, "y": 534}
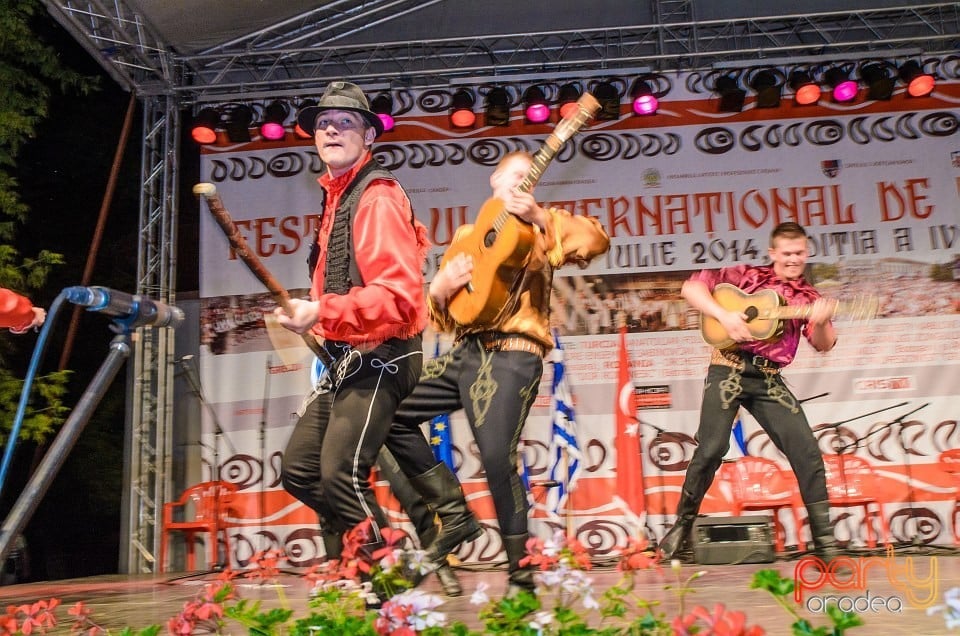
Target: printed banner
{"x": 877, "y": 185}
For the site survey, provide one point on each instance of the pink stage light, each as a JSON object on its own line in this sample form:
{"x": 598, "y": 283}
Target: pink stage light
{"x": 845, "y": 91}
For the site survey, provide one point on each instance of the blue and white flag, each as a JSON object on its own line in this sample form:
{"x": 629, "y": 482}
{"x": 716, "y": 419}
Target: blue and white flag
{"x": 440, "y": 439}
{"x": 564, "y": 450}
{"x": 737, "y": 447}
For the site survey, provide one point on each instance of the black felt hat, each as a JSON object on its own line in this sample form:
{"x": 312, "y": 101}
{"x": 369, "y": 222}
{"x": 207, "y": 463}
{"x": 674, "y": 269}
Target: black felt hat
{"x": 339, "y": 96}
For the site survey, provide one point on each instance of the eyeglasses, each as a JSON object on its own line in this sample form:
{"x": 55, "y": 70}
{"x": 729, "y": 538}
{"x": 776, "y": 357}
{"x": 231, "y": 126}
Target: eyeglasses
{"x": 345, "y": 122}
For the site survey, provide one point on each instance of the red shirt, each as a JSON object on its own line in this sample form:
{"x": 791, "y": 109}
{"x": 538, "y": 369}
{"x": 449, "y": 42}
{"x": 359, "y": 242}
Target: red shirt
{"x": 751, "y": 279}
{"x": 390, "y": 252}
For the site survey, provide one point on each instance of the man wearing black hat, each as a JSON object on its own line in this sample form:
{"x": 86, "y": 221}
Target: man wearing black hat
{"x": 367, "y": 305}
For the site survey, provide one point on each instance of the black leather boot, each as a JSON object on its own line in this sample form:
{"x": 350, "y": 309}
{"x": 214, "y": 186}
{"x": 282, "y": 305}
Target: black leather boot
{"x": 332, "y": 543}
{"x": 824, "y": 543}
{"x": 448, "y": 578}
{"x": 441, "y": 492}
{"x": 521, "y": 576}
{"x": 422, "y": 517}
{"x": 678, "y": 536}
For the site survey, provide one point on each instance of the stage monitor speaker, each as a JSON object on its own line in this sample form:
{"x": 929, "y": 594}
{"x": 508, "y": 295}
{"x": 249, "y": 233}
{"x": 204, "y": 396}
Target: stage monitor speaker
{"x": 732, "y": 540}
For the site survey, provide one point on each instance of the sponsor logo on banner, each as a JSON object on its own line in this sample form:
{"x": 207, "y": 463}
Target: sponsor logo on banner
{"x": 955, "y": 158}
{"x": 653, "y": 397}
{"x": 830, "y": 167}
{"x": 894, "y": 383}
{"x": 651, "y": 178}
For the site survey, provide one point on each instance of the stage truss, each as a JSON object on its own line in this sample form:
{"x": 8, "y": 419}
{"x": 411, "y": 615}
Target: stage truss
{"x": 306, "y": 51}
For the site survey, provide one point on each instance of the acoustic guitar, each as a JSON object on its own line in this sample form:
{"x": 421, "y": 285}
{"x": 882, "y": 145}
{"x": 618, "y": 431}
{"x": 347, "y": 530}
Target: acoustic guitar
{"x": 766, "y": 310}
{"x": 499, "y": 241}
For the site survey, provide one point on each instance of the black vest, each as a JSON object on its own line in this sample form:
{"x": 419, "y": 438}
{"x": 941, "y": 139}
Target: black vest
{"x": 341, "y": 272}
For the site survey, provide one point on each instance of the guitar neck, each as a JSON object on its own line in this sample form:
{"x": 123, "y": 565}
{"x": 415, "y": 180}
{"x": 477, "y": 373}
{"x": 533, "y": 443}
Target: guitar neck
{"x": 538, "y": 166}
{"x": 587, "y": 105}
{"x": 859, "y": 308}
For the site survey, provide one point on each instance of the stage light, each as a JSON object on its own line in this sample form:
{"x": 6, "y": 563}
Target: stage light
{"x": 642, "y": 97}
{"x": 238, "y": 118}
{"x": 498, "y": 107}
{"x": 567, "y": 98}
{"x": 297, "y": 130}
{"x": 768, "y": 88}
{"x": 382, "y": 105}
{"x": 731, "y": 95}
{"x": 461, "y": 109}
{"x": 535, "y": 106}
{"x": 805, "y": 90}
{"x": 205, "y": 124}
{"x": 876, "y": 77}
{"x": 274, "y": 115}
{"x": 919, "y": 84}
{"x": 609, "y": 98}
{"x": 842, "y": 87}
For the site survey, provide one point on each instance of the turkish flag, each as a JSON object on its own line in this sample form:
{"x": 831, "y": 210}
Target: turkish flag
{"x": 629, "y": 461}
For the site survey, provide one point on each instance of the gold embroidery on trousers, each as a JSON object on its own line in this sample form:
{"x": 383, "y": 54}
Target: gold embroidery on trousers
{"x": 434, "y": 368}
{"x": 776, "y": 391}
{"x": 730, "y": 388}
{"x": 483, "y": 388}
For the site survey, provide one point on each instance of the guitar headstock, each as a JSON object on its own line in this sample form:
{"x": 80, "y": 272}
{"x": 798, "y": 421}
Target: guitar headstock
{"x": 587, "y": 107}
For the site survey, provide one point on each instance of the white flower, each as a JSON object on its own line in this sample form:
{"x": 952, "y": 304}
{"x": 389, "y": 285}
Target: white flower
{"x": 589, "y": 602}
{"x": 541, "y": 620}
{"x": 422, "y": 620}
{"x": 480, "y": 596}
{"x": 418, "y": 600}
{"x": 551, "y": 578}
{"x": 416, "y": 561}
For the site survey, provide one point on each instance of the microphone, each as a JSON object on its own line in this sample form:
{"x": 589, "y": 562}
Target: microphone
{"x": 131, "y": 310}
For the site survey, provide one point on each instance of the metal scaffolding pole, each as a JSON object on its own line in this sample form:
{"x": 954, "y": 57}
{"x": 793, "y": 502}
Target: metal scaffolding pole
{"x": 149, "y": 439}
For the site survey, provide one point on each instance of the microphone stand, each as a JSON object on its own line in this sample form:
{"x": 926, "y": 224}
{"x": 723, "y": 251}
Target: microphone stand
{"x": 195, "y": 388}
{"x": 45, "y": 473}
{"x": 658, "y": 436}
{"x": 914, "y": 539}
{"x": 261, "y": 501}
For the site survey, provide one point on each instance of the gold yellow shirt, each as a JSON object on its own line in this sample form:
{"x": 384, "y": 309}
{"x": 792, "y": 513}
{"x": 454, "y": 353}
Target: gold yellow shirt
{"x": 567, "y": 238}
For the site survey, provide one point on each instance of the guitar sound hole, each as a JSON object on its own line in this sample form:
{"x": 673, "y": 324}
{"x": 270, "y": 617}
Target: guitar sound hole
{"x": 489, "y": 238}
{"x": 751, "y": 313}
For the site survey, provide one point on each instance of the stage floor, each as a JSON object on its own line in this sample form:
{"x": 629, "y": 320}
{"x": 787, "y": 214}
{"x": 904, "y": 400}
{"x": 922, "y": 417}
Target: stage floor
{"x": 118, "y": 601}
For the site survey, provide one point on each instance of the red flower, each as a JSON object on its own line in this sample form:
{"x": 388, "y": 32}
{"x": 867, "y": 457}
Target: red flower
{"x": 266, "y": 565}
{"x": 721, "y": 623}
{"x": 636, "y": 556}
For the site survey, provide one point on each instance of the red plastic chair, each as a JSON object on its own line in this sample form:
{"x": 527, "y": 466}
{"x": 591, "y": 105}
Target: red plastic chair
{"x": 949, "y": 462}
{"x": 851, "y": 481}
{"x": 757, "y": 483}
{"x": 201, "y": 509}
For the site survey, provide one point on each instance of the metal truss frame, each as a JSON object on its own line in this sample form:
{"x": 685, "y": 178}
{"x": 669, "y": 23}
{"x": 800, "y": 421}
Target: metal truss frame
{"x": 308, "y": 50}
{"x": 148, "y": 430}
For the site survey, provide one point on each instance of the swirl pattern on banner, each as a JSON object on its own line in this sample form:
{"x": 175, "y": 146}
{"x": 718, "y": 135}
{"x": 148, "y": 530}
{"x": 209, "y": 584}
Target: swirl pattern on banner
{"x": 718, "y": 140}
{"x": 907, "y": 523}
{"x": 422, "y": 155}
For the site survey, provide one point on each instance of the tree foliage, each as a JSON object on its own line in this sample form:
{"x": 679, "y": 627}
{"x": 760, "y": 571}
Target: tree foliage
{"x": 30, "y": 72}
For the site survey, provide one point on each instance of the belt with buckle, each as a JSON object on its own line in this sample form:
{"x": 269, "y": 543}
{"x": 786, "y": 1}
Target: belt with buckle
{"x": 497, "y": 341}
{"x": 736, "y": 358}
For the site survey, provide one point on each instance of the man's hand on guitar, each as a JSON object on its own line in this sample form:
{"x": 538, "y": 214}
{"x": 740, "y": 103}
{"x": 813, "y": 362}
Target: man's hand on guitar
{"x": 451, "y": 278}
{"x": 735, "y": 325}
{"x": 524, "y": 206}
{"x": 822, "y": 311}
{"x": 303, "y": 318}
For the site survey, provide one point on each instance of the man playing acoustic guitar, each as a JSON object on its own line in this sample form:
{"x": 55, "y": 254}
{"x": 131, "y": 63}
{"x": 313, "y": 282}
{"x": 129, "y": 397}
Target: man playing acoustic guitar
{"x": 493, "y": 369}
{"x": 747, "y": 374}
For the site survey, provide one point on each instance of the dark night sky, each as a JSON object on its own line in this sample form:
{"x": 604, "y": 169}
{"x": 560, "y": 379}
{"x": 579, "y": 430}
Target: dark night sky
{"x": 63, "y": 175}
